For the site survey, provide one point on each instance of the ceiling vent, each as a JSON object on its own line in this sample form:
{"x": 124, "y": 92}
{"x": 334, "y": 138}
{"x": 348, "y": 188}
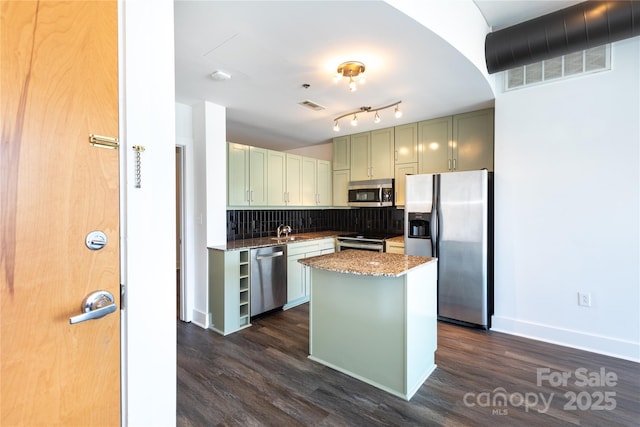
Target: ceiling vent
{"x": 311, "y": 105}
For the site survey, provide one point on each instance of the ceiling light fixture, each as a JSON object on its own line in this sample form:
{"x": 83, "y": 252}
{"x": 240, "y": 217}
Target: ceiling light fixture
{"x": 376, "y": 118}
{"x": 351, "y": 69}
{"x": 220, "y": 75}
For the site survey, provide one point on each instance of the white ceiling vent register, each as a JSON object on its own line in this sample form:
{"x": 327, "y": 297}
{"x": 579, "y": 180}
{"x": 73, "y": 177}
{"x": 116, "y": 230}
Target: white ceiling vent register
{"x": 562, "y": 67}
{"x": 312, "y": 105}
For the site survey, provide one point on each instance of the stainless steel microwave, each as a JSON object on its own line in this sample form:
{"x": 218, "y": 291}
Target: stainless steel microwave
{"x": 371, "y": 193}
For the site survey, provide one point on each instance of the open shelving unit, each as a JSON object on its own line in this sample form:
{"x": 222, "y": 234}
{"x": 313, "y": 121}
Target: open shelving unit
{"x": 244, "y": 289}
{"x": 229, "y": 290}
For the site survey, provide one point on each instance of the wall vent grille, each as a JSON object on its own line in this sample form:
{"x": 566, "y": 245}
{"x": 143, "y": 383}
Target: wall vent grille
{"x": 562, "y": 67}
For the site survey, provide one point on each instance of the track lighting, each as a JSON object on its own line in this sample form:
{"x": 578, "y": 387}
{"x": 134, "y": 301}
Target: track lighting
{"x": 376, "y": 118}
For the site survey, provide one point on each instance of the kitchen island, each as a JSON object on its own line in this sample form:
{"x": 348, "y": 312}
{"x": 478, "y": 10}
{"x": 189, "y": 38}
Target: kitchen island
{"x": 373, "y": 316}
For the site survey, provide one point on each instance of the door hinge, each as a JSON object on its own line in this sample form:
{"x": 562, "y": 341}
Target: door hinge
{"x": 123, "y": 294}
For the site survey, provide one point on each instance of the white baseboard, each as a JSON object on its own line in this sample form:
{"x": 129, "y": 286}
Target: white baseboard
{"x": 201, "y": 319}
{"x": 296, "y": 303}
{"x": 608, "y": 346}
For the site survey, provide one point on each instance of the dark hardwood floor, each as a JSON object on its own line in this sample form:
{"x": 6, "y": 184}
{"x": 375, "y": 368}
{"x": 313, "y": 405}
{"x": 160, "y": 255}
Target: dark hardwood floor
{"x": 261, "y": 376}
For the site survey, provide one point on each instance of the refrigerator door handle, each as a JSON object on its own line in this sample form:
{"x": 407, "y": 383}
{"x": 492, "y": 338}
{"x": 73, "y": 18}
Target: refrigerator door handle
{"x": 435, "y": 216}
{"x": 433, "y": 225}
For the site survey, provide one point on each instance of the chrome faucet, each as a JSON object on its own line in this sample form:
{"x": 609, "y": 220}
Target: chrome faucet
{"x": 283, "y": 228}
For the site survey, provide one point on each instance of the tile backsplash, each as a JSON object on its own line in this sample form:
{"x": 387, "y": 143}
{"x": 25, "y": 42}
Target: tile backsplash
{"x": 247, "y": 224}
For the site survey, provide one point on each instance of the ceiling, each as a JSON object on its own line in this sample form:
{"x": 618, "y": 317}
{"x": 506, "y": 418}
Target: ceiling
{"x": 271, "y": 49}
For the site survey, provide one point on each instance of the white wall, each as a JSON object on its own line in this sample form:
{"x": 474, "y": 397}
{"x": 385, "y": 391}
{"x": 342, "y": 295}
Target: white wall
{"x": 184, "y": 138}
{"x": 567, "y": 209}
{"x": 319, "y": 151}
{"x": 147, "y": 118}
{"x": 202, "y": 129}
{"x": 459, "y": 22}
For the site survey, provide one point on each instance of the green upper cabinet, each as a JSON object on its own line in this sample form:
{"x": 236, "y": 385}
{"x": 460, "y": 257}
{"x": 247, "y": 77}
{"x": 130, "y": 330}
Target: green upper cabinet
{"x": 316, "y": 182}
{"x": 258, "y": 176}
{"x": 340, "y": 184}
{"x": 309, "y": 181}
{"x": 247, "y": 175}
{"x": 382, "y": 148}
{"x": 472, "y": 146}
{"x": 342, "y": 153}
{"x": 456, "y": 143}
{"x": 372, "y": 155}
{"x": 406, "y": 142}
{"x": 237, "y": 174}
{"x": 277, "y": 178}
{"x": 402, "y": 170}
{"x": 293, "y": 194}
{"x": 434, "y": 139}
{"x": 360, "y": 146}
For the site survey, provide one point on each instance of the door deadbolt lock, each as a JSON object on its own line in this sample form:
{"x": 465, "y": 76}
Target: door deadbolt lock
{"x": 96, "y": 240}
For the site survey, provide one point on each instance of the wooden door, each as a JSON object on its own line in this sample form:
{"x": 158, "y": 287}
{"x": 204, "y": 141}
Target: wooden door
{"x": 59, "y": 83}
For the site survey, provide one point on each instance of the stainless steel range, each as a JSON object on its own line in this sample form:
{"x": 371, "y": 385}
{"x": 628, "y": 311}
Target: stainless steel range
{"x": 368, "y": 241}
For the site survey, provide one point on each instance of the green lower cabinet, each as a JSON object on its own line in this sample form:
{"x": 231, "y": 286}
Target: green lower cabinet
{"x": 295, "y": 279}
{"x": 297, "y": 274}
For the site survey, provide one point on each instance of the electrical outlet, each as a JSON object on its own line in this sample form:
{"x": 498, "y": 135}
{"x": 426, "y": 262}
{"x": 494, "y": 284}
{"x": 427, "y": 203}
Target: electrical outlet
{"x": 584, "y": 299}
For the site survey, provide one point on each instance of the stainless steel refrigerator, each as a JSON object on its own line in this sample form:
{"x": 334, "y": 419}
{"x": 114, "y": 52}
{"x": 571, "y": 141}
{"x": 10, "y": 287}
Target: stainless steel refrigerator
{"x": 450, "y": 216}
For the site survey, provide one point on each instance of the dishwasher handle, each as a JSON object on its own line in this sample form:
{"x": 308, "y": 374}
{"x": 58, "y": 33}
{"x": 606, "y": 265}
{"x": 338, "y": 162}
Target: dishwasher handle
{"x": 271, "y": 255}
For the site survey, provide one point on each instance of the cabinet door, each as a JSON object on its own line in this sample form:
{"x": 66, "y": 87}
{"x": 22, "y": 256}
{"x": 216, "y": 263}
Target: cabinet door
{"x": 395, "y": 248}
{"x": 294, "y": 180}
{"x": 323, "y": 184}
{"x": 434, "y": 140}
{"x": 257, "y": 176}
{"x": 276, "y": 179}
{"x": 381, "y": 153}
{"x": 295, "y": 278}
{"x": 406, "y": 140}
{"x": 360, "y": 156}
{"x": 401, "y": 171}
{"x": 340, "y": 187}
{"x": 238, "y": 174}
{"x": 342, "y": 152}
{"x": 309, "y": 181}
{"x": 473, "y": 140}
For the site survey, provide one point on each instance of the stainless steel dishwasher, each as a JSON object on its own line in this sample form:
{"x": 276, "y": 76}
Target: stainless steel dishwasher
{"x": 268, "y": 278}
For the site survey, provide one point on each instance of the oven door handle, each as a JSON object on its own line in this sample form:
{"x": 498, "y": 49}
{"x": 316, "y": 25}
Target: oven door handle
{"x": 379, "y": 248}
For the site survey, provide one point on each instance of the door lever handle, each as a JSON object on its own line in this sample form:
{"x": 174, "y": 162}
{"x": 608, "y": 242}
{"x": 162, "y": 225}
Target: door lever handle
{"x": 94, "y": 306}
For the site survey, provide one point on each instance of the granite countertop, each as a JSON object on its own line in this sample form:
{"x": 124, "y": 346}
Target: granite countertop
{"x": 271, "y": 240}
{"x": 367, "y": 263}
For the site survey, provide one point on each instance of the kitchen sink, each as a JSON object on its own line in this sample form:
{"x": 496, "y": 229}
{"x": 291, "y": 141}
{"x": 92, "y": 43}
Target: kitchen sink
{"x": 287, "y": 239}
